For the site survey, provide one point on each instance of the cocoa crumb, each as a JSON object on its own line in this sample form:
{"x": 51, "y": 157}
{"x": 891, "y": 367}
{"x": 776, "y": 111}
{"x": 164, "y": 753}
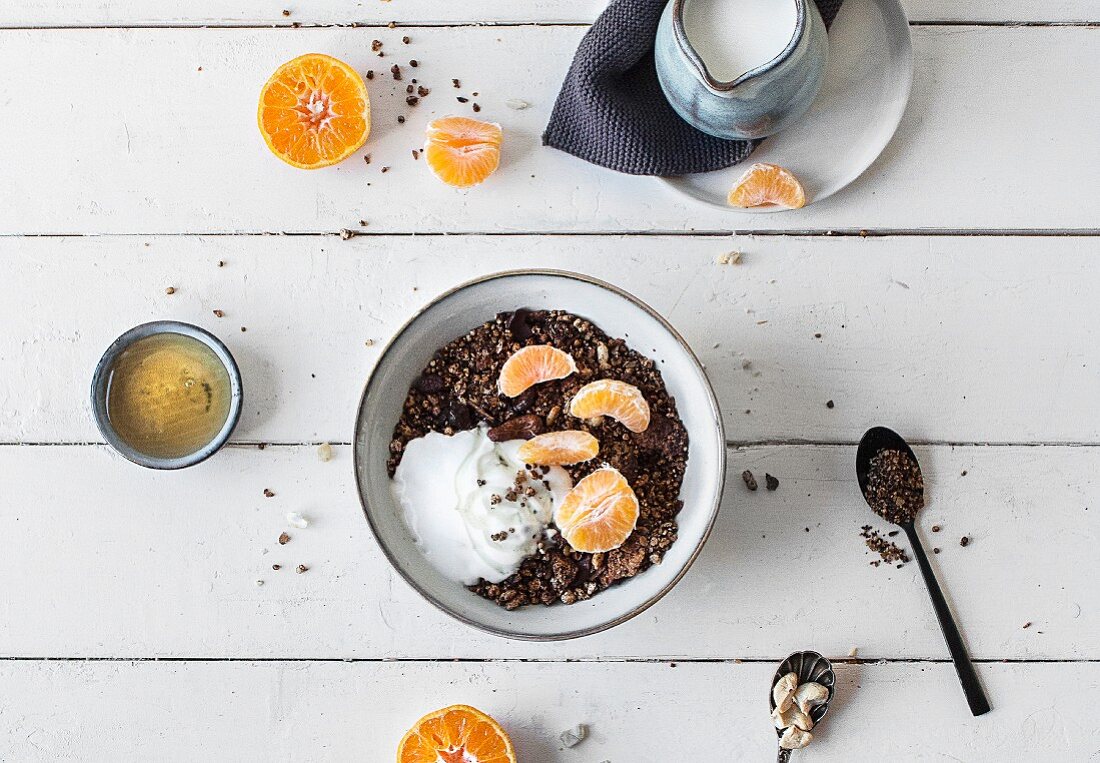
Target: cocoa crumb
{"x": 170, "y": 290}
{"x": 301, "y": 568}
{"x": 375, "y": 45}
{"x": 462, "y": 99}
{"x": 750, "y": 481}
{"x": 370, "y": 73}
{"x": 284, "y": 539}
{"x": 276, "y": 567}
{"x": 395, "y": 70}
{"x": 476, "y": 108}
{"x": 770, "y": 482}
{"x": 416, "y": 154}
{"x": 268, "y": 493}
{"x": 219, "y": 314}
{"x": 286, "y": 12}
{"x": 830, "y": 404}
{"x": 964, "y": 541}
{"x": 413, "y": 63}
{"x": 387, "y": 169}
{"x": 456, "y": 83}
{"x": 406, "y": 39}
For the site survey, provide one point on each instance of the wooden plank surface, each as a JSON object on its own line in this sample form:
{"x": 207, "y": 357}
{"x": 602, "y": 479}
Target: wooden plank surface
{"x": 957, "y": 339}
{"x": 174, "y": 147}
{"x": 374, "y": 12}
{"x": 116, "y": 561}
{"x": 358, "y": 711}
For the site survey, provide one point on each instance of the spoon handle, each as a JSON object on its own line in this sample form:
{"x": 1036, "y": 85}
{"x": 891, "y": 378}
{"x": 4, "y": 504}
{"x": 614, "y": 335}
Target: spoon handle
{"x": 784, "y": 756}
{"x": 975, "y": 696}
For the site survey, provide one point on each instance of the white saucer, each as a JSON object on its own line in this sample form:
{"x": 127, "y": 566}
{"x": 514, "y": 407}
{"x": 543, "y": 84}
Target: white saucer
{"x": 866, "y": 88}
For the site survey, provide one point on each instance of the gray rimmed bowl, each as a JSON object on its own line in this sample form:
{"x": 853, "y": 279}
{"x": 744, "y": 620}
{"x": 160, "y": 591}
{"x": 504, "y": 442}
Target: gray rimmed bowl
{"x": 618, "y": 314}
{"x": 103, "y": 373}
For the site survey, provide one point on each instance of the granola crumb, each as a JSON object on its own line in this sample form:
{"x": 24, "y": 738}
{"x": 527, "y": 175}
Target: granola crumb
{"x": 268, "y": 493}
{"x": 301, "y": 568}
{"x": 284, "y": 539}
{"x": 219, "y": 314}
{"x": 772, "y": 483}
{"x": 730, "y": 258}
{"x": 170, "y": 290}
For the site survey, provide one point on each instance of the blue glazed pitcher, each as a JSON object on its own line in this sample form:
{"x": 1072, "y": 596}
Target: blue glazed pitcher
{"x": 758, "y": 103}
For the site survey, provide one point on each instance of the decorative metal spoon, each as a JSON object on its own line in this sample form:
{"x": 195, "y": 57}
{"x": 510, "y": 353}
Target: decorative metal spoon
{"x": 810, "y": 667}
{"x": 881, "y": 438}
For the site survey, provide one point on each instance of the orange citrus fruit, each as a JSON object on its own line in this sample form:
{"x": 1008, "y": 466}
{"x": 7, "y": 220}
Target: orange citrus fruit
{"x": 610, "y": 397}
{"x": 766, "y": 185}
{"x": 462, "y": 151}
{"x": 533, "y": 365}
{"x": 456, "y": 734}
{"x": 314, "y": 111}
{"x": 557, "y": 448}
{"x": 599, "y": 513}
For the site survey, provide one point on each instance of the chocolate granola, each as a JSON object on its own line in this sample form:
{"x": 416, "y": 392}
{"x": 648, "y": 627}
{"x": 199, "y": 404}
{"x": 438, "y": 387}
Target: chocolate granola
{"x": 458, "y": 390}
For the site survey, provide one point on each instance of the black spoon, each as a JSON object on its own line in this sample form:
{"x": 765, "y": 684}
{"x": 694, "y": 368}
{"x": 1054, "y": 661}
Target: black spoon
{"x": 810, "y": 666}
{"x": 881, "y": 438}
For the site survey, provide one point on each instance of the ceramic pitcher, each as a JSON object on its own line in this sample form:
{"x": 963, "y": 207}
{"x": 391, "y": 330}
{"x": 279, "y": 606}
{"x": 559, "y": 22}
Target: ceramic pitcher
{"x": 760, "y": 102}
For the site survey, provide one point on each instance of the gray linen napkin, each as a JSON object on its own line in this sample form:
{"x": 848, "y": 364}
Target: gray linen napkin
{"x": 611, "y": 110}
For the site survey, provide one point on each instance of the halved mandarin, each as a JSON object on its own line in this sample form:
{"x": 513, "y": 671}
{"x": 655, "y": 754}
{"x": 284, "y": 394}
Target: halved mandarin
{"x": 314, "y": 111}
{"x": 599, "y": 513}
{"x": 559, "y": 448}
{"x": 765, "y": 185}
{"x": 456, "y": 734}
{"x": 461, "y": 151}
{"x": 611, "y": 397}
{"x": 533, "y": 365}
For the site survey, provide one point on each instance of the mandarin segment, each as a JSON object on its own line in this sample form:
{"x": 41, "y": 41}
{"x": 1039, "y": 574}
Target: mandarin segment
{"x": 765, "y": 185}
{"x": 456, "y": 734}
{"x": 559, "y": 448}
{"x": 533, "y": 365}
{"x": 462, "y": 152}
{"x": 611, "y": 397}
{"x": 599, "y": 513}
{"x": 314, "y": 111}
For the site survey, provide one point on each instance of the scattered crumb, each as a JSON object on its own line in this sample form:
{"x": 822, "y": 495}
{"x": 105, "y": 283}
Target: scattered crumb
{"x": 935, "y": 528}
{"x": 259, "y": 582}
{"x": 406, "y": 39}
{"x": 219, "y": 314}
{"x": 771, "y": 482}
{"x": 516, "y": 104}
{"x": 1027, "y": 625}
{"x": 294, "y": 519}
{"x": 936, "y": 550}
{"x": 964, "y": 472}
{"x": 324, "y": 452}
{"x": 170, "y": 290}
{"x": 301, "y": 568}
{"x": 286, "y": 12}
{"x": 750, "y": 481}
{"x": 476, "y": 108}
{"x": 830, "y": 404}
{"x": 574, "y": 736}
{"x": 276, "y": 567}
{"x": 730, "y": 258}
{"x": 268, "y": 493}
{"x": 345, "y": 234}
{"x": 284, "y": 539}
{"x": 456, "y": 83}
{"x": 964, "y": 541}
{"x": 369, "y": 343}
{"x": 853, "y": 652}
{"x": 221, "y": 263}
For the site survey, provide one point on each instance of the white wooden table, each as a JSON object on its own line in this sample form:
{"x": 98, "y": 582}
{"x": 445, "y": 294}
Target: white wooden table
{"x": 131, "y": 623}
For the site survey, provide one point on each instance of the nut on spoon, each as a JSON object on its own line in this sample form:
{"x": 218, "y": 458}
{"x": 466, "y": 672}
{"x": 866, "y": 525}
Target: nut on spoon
{"x": 903, "y": 513}
{"x": 810, "y": 667}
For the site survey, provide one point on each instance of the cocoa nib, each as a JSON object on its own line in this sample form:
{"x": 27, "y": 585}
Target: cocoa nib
{"x": 518, "y": 428}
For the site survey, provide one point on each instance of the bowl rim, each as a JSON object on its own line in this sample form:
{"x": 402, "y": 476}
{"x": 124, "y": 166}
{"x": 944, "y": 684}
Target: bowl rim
{"x": 143, "y": 331}
{"x": 716, "y": 415}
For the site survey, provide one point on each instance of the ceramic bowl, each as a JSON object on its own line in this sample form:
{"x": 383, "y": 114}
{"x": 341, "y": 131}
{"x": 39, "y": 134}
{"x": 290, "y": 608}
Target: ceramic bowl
{"x": 619, "y": 315}
{"x": 103, "y": 372}
{"x": 760, "y": 102}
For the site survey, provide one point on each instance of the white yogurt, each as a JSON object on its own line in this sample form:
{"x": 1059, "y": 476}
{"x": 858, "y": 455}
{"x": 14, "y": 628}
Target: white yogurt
{"x": 735, "y": 36}
{"x": 446, "y": 488}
